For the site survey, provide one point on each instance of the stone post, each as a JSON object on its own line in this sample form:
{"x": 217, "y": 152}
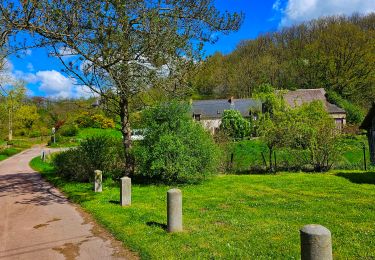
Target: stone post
{"x": 174, "y": 210}
{"x": 98, "y": 181}
{"x": 315, "y": 243}
{"x": 126, "y": 191}
{"x": 43, "y": 156}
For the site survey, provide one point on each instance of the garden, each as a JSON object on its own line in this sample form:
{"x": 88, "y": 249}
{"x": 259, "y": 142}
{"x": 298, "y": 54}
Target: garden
{"x": 234, "y": 205}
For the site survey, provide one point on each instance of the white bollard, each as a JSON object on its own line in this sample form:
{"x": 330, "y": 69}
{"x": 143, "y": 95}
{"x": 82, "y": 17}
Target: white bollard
{"x": 315, "y": 243}
{"x": 174, "y": 210}
{"x": 126, "y": 191}
{"x": 98, "y": 181}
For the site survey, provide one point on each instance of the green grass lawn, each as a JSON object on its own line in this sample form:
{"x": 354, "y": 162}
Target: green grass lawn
{"x": 18, "y": 145}
{"x": 88, "y": 132}
{"x": 84, "y": 133}
{"x": 237, "y": 217}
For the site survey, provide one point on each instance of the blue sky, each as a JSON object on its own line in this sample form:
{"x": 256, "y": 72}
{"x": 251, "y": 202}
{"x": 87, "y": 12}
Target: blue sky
{"x": 44, "y": 78}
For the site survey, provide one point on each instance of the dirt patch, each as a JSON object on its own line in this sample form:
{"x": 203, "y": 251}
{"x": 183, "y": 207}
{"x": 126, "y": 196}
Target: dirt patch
{"x": 53, "y": 220}
{"x": 69, "y": 250}
{"x": 40, "y": 226}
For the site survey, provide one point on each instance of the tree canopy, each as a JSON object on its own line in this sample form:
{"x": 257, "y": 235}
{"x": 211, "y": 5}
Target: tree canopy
{"x": 120, "y": 49}
{"x": 336, "y": 53}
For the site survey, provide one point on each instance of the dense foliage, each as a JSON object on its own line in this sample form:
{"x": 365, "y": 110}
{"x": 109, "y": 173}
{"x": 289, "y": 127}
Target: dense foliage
{"x": 308, "y": 129}
{"x": 175, "y": 149}
{"x": 95, "y": 153}
{"x": 337, "y": 53}
{"x": 355, "y": 114}
{"x": 234, "y": 125}
{"x": 95, "y": 121}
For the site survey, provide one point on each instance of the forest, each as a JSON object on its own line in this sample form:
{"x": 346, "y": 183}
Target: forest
{"x": 336, "y": 53}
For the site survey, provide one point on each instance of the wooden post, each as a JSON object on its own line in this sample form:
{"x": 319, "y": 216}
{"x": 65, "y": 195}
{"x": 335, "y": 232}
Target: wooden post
{"x": 274, "y": 157}
{"x": 264, "y": 160}
{"x": 231, "y": 160}
{"x": 364, "y": 157}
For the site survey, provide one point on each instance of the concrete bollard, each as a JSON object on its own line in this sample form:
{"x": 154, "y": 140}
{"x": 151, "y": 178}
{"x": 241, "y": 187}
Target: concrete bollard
{"x": 315, "y": 243}
{"x": 174, "y": 210}
{"x": 43, "y": 156}
{"x": 98, "y": 181}
{"x": 126, "y": 191}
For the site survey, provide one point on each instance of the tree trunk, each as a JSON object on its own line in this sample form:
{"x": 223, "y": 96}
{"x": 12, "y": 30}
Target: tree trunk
{"x": 270, "y": 158}
{"x": 126, "y": 137}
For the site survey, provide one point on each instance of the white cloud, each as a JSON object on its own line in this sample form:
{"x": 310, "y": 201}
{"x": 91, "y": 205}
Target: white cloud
{"x": 8, "y": 65}
{"x": 297, "y": 11}
{"x": 25, "y": 76}
{"x": 54, "y": 84}
{"x": 6, "y": 75}
{"x": 83, "y": 91}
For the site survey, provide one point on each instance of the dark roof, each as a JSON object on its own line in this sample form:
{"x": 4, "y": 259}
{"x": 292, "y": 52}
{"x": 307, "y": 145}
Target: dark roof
{"x": 214, "y": 108}
{"x": 300, "y": 96}
{"x": 367, "y": 122}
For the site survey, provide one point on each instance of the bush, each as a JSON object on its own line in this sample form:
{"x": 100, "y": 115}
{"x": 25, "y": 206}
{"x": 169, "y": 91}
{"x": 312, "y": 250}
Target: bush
{"x": 34, "y": 133}
{"x": 96, "y": 121}
{"x": 9, "y": 151}
{"x": 234, "y": 125}
{"x": 95, "y": 153}
{"x": 68, "y": 130}
{"x": 175, "y": 148}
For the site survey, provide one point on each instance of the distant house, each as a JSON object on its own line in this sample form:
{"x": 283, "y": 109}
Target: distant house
{"x": 369, "y": 125}
{"x": 300, "y": 96}
{"x": 209, "y": 112}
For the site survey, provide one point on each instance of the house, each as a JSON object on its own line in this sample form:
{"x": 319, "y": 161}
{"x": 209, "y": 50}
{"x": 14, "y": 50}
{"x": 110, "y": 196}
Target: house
{"x": 300, "y": 96}
{"x": 369, "y": 125}
{"x": 209, "y": 112}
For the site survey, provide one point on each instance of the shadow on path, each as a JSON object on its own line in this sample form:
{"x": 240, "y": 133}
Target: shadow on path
{"x": 30, "y": 186}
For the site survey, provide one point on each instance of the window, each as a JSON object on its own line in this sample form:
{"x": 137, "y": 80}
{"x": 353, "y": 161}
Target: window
{"x": 339, "y": 123}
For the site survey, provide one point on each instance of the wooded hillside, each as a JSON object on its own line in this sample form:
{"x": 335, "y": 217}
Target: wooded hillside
{"x": 337, "y": 53}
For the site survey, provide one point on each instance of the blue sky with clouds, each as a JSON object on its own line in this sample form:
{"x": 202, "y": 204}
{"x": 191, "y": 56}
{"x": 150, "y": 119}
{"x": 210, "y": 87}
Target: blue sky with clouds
{"x": 44, "y": 78}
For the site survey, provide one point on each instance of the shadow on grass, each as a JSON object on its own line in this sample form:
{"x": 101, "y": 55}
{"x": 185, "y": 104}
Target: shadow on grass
{"x": 116, "y": 202}
{"x": 358, "y": 177}
{"x": 156, "y": 224}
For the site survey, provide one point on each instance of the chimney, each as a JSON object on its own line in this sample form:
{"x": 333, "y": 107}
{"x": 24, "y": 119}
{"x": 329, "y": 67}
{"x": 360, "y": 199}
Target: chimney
{"x": 231, "y": 102}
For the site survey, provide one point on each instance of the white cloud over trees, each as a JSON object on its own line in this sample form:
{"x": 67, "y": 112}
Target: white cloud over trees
{"x": 296, "y": 11}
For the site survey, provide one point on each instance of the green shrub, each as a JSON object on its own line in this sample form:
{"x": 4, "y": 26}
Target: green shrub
{"x": 96, "y": 121}
{"x": 95, "y": 153}
{"x": 234, "y": 125}
{"x": 355, "y": 114}
{"x": 175, "y": 148}
{"x": 34, "y": 133}
{"x": 9, "y": 151}
{"x": 68, "y": 130}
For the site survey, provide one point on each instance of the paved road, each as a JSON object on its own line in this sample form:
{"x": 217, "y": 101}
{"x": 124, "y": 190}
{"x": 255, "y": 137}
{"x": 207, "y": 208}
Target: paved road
{"x": 37, "y": 222}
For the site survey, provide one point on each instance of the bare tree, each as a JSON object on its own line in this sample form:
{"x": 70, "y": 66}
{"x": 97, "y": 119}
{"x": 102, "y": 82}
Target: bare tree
{"x": 120, "y": 48}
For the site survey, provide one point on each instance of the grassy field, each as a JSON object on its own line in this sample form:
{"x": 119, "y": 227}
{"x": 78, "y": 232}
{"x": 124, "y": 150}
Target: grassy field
{"x": 17, "y": 146}
{"x": 84, "y": 133}
{"x": 237, "y": 217}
